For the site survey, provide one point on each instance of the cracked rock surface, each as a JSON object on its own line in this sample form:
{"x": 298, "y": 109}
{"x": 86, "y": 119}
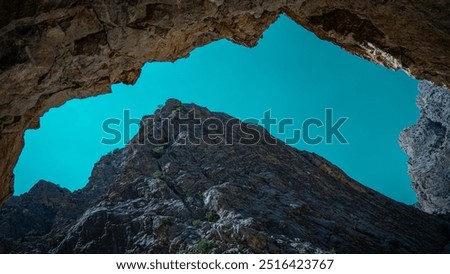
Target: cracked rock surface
{"x": 427, "y": 144}
{"x": 56, "y": 50}
{"x": 179, "y": 186}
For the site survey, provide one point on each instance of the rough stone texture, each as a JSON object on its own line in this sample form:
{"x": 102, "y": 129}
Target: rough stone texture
{"x": 55, "y": 50}
{"x": 427, "y": 144}
{"x": 180, "y": 187}
{"x": 48, "y": 207}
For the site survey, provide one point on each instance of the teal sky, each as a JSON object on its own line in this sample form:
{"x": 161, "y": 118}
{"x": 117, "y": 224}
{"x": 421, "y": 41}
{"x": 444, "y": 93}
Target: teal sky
{"x": 291, "y": 72}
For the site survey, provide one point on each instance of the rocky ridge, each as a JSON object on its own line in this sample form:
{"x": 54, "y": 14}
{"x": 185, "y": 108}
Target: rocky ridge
{"x": 196, "y": 181}
{"x": 56, "y": 50}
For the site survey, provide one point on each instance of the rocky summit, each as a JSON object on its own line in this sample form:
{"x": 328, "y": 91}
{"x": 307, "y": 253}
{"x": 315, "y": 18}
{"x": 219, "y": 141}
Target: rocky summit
{"x": 196, "y": 181}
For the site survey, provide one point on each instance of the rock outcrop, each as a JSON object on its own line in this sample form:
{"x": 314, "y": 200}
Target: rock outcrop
{"x": 427, "y": 144}
{"x": 55, "y": 50}
{"x": 35, "y": 220}
{"x": 195, "y": 181}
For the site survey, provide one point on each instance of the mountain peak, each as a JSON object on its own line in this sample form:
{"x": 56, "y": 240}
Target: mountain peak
{"x": 193, "y": 176}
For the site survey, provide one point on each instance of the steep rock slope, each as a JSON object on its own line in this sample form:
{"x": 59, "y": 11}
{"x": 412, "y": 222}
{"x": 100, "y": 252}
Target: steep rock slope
{"x": 193, "y": 180}
{"x": 427, "y": 144}
{"x": 55, "y": 50}
{"x": 34, "y": 221}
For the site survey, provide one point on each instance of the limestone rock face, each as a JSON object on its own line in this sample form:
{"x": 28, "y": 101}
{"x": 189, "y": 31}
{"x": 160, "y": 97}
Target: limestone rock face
{"x": 427, "y": 144}
{"x": 196, "y": 181}
{"x": 55, "y": 50}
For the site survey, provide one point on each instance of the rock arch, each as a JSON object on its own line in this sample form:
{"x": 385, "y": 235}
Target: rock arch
{"x": 56, "y": 50}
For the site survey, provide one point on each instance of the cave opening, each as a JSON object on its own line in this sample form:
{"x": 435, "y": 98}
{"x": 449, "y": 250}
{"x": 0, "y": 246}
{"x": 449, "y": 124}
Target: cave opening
{"x": 291, "y": 72}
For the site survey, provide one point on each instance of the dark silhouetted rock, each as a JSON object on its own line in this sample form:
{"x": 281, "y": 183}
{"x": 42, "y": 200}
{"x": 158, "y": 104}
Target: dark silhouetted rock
{"x": 196, "y": 181}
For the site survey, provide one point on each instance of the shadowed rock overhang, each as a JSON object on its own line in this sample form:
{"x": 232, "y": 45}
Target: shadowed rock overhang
{"x": 53, "y": 51}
